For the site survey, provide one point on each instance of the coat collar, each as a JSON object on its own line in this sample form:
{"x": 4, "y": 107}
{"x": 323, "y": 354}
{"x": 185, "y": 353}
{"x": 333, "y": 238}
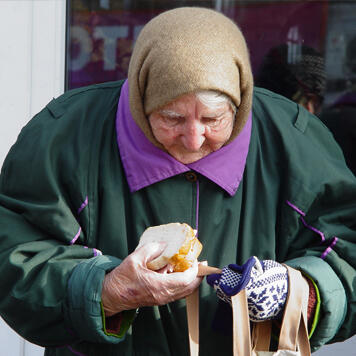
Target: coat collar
{"x": 146, "y": 164}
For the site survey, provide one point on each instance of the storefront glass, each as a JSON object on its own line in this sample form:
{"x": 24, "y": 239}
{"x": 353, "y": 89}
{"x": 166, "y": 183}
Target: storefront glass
{"x": 101, "y": 34}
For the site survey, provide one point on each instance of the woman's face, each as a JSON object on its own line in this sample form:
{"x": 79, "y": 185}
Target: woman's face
{"x": 189, "y": 130}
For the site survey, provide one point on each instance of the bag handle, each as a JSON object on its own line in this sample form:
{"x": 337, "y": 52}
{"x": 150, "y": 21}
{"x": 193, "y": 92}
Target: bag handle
{"x": 192, "y": 306}
{"x": 292, "y": 323}
{"x": 293, "y": 330}
{"x": 240, "y": 325}
{"x": 261, "y": 335}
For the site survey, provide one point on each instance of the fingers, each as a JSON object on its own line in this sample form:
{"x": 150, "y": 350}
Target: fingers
{"x": 185, "y": 277}
{"x": 163, "y": 288}
{"x": 132, "y": 285}
{"x": 181, "y": 284}
{"x": 149, "y": 251}
{"x": 166, "y": 269}
{"x": 168, "y": 295}
{"x": 213, "y": 279}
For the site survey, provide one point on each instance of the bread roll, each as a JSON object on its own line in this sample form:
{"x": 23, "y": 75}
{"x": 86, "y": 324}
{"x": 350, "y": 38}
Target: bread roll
{"x": 183, "y": 247}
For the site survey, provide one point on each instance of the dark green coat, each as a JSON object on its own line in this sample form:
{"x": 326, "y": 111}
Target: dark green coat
{"x": 295, "y": 187}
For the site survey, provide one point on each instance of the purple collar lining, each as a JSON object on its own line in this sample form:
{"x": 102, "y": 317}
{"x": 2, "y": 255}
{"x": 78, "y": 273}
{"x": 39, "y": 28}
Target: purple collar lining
{"x": 146, "y": 164}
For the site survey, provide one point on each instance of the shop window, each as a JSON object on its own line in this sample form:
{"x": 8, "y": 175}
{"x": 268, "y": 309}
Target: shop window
{"x": 101, "y": 35}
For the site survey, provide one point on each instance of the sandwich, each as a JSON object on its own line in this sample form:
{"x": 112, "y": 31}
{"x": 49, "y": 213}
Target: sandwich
{"x": 183, "y": 247}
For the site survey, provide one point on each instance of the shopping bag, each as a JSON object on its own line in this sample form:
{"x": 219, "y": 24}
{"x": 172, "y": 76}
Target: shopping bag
{"x": 293, "y": 338}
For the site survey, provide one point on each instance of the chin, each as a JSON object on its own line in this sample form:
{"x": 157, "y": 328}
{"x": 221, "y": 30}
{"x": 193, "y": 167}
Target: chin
{"x": 189, "y": 158}
{"x": 187, "y": 161}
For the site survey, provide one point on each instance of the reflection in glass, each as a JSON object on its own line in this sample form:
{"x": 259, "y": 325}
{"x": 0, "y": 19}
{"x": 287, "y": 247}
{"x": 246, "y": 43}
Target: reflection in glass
{"x": 101, "y": 35}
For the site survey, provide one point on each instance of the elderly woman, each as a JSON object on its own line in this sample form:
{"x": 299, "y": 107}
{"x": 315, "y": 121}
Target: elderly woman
{"x": 179, "y": 141}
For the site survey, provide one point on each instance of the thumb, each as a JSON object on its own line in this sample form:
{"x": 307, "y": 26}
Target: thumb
{"x": 213, "y": 279}
{"x": 151, "y": 250}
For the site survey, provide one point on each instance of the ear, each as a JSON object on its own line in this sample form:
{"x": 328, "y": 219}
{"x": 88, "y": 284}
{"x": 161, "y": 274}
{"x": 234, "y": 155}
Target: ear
{"x": 310, "y": 105}
{"x": 313, "y": 104}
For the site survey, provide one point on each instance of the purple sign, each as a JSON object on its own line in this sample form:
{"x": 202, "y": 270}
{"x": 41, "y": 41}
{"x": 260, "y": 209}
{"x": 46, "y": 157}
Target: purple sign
{"x": 101, "y": 42}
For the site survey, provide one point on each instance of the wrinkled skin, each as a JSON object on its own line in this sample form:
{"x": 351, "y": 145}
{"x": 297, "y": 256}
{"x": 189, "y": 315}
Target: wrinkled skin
{"x": 132, "y": 285}
{"x": 190, "y": 130}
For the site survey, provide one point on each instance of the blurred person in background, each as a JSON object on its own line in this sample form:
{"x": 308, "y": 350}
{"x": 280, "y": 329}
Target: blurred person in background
{"x": 340, "y": 117}
{"x": 295, "y": 71}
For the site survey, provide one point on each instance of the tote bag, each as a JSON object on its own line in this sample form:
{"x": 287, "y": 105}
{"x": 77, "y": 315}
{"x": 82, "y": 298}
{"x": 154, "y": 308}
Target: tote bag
{"x": 293, "y": 338}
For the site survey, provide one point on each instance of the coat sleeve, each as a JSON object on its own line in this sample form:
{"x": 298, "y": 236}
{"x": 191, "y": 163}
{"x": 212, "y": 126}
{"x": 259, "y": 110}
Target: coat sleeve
{"x": 320, "y": 224}
{"x": 50, "y": 289}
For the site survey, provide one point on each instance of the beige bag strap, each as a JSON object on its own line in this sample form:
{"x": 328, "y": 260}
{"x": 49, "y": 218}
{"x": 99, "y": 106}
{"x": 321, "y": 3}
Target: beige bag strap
{"x": 303, "y": 337}
{"x": 292, "y": 312}
{"x": 241, "y": 325}
{"x": 241, "y": 333}
{"x": 261, "y": 335}
{"x": 293, "y": 330}
{"x": 192, "y": 305}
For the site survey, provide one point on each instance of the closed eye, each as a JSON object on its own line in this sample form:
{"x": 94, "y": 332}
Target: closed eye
{"x": 210, "y": 121}
{"x": 213, "y": 121}
{"x": 171, "y": 118}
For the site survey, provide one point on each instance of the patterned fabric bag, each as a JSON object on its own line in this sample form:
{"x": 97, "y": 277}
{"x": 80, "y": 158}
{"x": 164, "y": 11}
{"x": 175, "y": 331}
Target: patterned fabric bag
{"x": 293, "y": 338}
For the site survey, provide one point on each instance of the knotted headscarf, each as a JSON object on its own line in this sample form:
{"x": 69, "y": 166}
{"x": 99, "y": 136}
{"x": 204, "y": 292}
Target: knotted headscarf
{"x": 186, "y": 50}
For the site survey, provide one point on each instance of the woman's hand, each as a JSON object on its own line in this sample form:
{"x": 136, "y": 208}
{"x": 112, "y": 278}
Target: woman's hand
{"x": 266, "y": 284}
{"x": 131, "y": 284}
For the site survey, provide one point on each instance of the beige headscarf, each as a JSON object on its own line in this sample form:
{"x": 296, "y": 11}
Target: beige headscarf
{"x": 185, "y": 50}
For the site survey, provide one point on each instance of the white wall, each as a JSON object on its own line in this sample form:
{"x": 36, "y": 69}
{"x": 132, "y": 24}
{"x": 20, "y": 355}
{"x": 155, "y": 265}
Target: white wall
{"x": 32, "y": 55}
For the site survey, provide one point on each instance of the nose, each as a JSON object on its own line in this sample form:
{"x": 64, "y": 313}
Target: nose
{"x": 193, "y": 135}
